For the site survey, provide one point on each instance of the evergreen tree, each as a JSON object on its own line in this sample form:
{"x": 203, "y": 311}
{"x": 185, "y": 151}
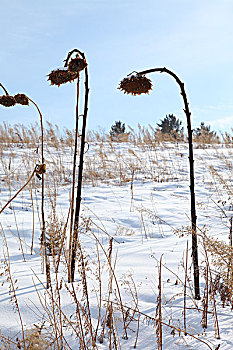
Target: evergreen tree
{"x": 204, "y": 135}
{"x": 117, "y": 129}
{"x": 204, "y": 130}
{"x": 172, "y": 126}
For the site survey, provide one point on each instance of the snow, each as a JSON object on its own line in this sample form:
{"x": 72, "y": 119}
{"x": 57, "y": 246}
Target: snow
{"x": 147, "y": 216}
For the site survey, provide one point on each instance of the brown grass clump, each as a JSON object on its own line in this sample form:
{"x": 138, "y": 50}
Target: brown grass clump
{"x": 7, "y": 100}
{"x": 61, "y": 76}
{"x": 22, "y": 99}
{"x": 221, "y": 256}
{"x": 35, "y": 340}
{"x": 228, "y": 138}
{"x": 136, "y": 85}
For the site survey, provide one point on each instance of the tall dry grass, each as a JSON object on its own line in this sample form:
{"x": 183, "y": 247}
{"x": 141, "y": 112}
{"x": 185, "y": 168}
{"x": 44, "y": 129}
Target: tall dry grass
{"x": 106, "y": 163}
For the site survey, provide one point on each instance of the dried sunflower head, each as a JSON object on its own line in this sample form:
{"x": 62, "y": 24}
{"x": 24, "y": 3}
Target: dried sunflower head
{"x": 7, "y": 101}
{"x": 61, "y": 76}
{"x": 136, "y": 85}
{"x": 21, "y": 99}
{"x": 40, "y": 169}
{"x": 77, "y": 64}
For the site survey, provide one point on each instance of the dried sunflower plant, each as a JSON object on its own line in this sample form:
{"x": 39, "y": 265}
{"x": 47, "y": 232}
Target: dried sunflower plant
{"x": 21, "y": 99}
{"x": 70, "y": 72}
{"x": 136, "y": 83}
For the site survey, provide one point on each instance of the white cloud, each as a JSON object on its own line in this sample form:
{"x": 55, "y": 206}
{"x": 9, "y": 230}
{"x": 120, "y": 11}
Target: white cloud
{"x": 225, "y": 123}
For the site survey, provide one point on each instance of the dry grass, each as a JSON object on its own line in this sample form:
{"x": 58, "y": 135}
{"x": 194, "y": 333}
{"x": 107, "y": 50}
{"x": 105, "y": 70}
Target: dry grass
{"x": 106, "y": 163}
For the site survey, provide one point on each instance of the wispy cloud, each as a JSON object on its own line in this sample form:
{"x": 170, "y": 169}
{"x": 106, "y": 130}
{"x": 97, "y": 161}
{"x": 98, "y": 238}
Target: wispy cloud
{"x": 225, "y": 123}
{"x": 220, "y": 117}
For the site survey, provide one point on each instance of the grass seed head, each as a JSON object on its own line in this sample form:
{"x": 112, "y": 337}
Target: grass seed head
{"x": 22, "y": 99}
{"x": 62, "y": 76}
{"x": 7, "y": 101}
{"x": 136, "y": 85}
{"x": 77, "y": 65}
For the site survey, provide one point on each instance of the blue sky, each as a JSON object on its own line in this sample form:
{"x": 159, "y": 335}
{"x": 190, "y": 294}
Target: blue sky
{"x": 192, "y": 38}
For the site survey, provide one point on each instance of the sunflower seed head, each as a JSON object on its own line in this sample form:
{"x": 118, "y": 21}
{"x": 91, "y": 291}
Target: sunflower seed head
{"x": 136, "y": 85}
{"x": 77, "y": 64}
{"x": 7, "y": 101}
{"x": 22, "y": 99}
{"x": 61, "y": 76}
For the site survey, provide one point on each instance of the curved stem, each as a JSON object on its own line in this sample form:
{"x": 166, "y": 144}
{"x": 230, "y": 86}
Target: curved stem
{"x": 43, "y": 238}
{"x": 191, "y": 165}
{"x": 4, "y": 89}
{"x": 42, "y": 129}
{"x": 70, "y": 54}
{"x": 42, "y": 161}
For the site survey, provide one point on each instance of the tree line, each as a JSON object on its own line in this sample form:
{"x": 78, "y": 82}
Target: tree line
{"x": 170, "y": 127}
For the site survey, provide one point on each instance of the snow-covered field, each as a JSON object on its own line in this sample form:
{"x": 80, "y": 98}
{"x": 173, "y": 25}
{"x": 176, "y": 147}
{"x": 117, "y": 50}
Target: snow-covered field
{"x": 140, "y": 197}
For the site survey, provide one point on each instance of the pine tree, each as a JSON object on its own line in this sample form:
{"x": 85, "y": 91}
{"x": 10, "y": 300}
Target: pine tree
{"x": 172, "y": 126}
{"x": 117, "y": 129}
{"x": 204, "y": 134}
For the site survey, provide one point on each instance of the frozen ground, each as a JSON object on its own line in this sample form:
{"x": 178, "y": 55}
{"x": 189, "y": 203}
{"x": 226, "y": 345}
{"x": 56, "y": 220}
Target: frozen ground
{"x": 148, "y": 217}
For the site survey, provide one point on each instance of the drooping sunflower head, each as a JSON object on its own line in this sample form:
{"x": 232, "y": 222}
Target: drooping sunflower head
{"x": 136, "y": 85}
{"x": 61, "y": 76}
{"x": 22, "y": 99}
{"x": 77, "y": 64}
{"x": 40, "y": 168}
{"x": 7, "y": 100}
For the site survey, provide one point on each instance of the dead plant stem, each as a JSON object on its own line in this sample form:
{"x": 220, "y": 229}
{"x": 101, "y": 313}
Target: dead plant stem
{"x": 20, "y": 190}
{"x": 191, "y": 174}
{"x": 80, "y": 176}
{"x": 73, "y": 181}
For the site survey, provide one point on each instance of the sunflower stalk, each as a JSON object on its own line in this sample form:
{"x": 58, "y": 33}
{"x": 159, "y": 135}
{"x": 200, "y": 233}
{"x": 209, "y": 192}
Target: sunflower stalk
{"x": 4, "y": 89}
{"x": 136, "y": 85}
{"x": 70, "y": 71}
{"x": 80, "y": 175}
{"x": 43, "y": 238}
{"x": 8, "y": 101}
{"x": 73, "y": 183}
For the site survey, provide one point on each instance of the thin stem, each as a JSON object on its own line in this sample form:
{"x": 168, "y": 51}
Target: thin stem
{"x": 4, "y": 89}
{"x": 43, "y": 238}
{"x": 117, "y": 284}
{"x": 20, "y": 190}
{"x": 191, "y": 173}
{"x": 185, "y": 286}
{"x": 230, "y": 272}
{"x": 216, "y": 326}
{"x": 80, "y": 175}
{"x": 12, "y": 286}
{"x": 179, "y": 330}
{"x": 73, "y": 182}
{"x": 20, "y": 240}
{"x": 70, "y": 54}
{"x": 33, "y": 219}
{"x": 159, "y": 330}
